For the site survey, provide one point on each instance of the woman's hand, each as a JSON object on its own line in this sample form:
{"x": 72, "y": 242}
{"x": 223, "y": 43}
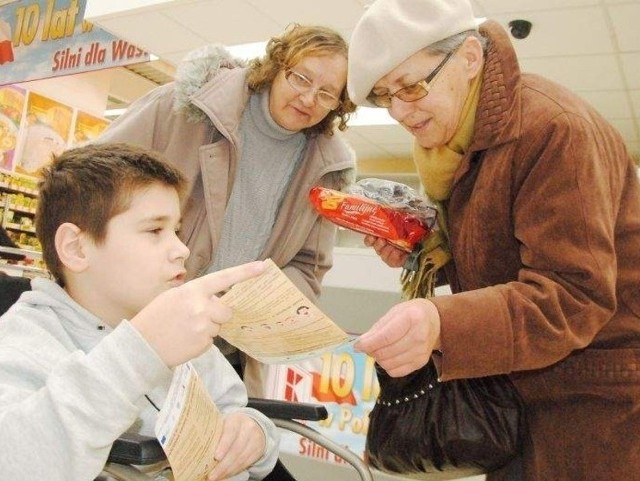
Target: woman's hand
{"x": 242, "y": 443}
{"x": 403, "y": 339}
{"x": 390, "y": 254}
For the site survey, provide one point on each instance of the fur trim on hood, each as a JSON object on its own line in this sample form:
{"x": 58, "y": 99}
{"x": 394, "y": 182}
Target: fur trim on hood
{"x": 340, "y": 179}
{"x": 197, "y": 68}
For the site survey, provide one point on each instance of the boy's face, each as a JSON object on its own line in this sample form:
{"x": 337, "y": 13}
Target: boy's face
{"x": 140, "y": 257}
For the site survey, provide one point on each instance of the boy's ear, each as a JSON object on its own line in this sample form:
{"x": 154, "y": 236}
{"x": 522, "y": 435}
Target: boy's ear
{"x": 70, "y": 247}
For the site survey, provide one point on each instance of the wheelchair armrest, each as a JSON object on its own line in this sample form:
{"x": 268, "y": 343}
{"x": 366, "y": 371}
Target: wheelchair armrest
{"x": 131, "y": 448}
{"x": 276, "y": 409}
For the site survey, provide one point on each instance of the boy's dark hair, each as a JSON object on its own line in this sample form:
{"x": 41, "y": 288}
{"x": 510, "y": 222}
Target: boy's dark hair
{"x": 88, "y": 186}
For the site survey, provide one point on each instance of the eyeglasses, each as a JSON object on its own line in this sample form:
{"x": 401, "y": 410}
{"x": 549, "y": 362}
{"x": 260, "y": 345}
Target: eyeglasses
{"x": 302, "y": 84}
{"x": 410, "y": 93}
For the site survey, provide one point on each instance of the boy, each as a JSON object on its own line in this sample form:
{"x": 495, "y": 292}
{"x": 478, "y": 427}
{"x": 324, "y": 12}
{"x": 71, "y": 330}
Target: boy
{"x": 89, "y": 357}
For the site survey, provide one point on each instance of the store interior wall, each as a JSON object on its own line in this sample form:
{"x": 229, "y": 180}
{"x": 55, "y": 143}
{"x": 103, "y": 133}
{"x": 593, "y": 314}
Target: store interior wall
{"x": 358, "y": 290}
{"x": 88, "y": 91}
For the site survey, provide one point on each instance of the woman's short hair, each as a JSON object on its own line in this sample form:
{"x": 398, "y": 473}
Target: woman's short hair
{"x": 296, "y": 43}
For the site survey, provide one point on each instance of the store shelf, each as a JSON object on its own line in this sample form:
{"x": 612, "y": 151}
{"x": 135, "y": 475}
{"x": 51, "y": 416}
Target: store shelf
{"x": 22, "y": 210}
{"x": 19, "y": 228}
{"x": 18, "y": 199}
{"x": 4, "y": 187}
{"x": 22, "y": 251}
{"x": 32, "y": 267}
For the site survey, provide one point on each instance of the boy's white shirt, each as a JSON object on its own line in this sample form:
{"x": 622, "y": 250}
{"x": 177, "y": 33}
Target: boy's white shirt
{"x": 68, "y": 389}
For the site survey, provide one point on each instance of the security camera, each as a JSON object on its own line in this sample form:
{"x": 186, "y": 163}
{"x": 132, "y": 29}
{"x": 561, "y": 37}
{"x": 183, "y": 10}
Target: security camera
{"x": 520, "y": 28}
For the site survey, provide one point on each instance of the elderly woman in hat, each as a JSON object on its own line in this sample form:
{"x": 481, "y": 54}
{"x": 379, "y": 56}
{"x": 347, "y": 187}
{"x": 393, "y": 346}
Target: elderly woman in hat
{"x": 539, "y": 236}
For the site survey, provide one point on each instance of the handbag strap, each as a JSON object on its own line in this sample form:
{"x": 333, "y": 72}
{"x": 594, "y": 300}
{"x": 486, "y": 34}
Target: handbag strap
{"x": 405, "y": 398}
{"x": 395, "y": 391}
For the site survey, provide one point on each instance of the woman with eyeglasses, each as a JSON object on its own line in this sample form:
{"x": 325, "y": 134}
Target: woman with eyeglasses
{"x": 539, "y": 205}
{"x": 252, "y": 140}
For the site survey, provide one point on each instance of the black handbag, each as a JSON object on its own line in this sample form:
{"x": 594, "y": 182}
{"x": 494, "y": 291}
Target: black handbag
{"x": 420, "y": 425}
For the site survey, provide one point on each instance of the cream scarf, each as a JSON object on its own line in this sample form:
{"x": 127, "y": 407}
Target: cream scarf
{"x": 437, "y": 168}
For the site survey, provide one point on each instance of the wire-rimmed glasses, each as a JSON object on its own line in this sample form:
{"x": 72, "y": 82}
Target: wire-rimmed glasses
{"x": 410, "y": 93}
{"x": 302, "y": 84}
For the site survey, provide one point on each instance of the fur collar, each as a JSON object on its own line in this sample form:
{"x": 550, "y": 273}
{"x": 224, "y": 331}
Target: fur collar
{"x": 202, "y": 65}
{"x": 198, "y": 68}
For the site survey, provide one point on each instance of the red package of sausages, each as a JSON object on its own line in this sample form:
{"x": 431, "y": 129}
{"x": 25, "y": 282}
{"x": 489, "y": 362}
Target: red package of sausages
{"x": 392, "y": 221}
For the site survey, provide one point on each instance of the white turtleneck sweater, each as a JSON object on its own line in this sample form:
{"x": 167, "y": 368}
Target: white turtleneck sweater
{"x": 269, "y": 158}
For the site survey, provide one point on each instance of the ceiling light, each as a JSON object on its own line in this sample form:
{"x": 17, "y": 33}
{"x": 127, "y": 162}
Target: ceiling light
{"x": 100, "y": 9}
{"x": 248, "y": 51}
{"x": 113, "y": 112}
{"x": 371, "y": 116}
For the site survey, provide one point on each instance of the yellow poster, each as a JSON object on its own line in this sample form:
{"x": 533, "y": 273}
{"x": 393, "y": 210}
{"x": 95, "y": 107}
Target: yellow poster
{"x": 87, "y": 128}
{"x": 46, "y": 131}
{"x": 12, "y": 99}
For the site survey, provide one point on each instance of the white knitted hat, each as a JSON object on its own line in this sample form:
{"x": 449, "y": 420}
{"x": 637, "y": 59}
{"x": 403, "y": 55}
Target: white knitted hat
{"x": 391, "y": 31}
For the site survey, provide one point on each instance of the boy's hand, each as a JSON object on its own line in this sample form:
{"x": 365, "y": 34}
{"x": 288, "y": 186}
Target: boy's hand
{"x": 391, "y": 255}
{"x": 242, "y": 443}
{"x": 180, "y": 324}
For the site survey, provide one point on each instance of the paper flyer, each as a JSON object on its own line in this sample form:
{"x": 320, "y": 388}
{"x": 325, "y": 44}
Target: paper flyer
{"x": 189, "y": 426}
{"x": 274, "y": 322}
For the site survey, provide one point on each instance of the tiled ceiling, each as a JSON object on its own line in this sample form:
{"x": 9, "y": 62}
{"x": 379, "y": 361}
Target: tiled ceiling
{"x": 590, "y": 46}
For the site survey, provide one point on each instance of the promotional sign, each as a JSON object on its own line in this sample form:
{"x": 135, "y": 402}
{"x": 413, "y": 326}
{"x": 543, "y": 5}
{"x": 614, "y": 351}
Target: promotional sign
{"x": 87, "y": 128}
{"x": 12, "y": 102}
{"x": 46, "y": 131}
{"x": 33, "y": 127}
{"x": 345, "y": 382}
{"x": 49, "y": 38}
